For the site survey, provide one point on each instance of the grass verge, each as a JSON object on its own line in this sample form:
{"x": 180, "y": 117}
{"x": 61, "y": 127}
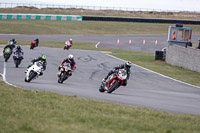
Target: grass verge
{"x": 45, "y": 112}
{"x": 143, "y": 59}
{"x": 45, "y": 27}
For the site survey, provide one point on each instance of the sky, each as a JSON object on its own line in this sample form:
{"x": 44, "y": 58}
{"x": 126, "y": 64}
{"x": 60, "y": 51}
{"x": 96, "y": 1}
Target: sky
{"x": 173, "y": 5}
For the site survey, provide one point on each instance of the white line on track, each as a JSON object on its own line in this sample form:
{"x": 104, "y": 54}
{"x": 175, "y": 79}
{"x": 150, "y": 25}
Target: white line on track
{"x": 4, "y": 75}
{"x": 156, "y": 73}
{"x": 97, "y": 44}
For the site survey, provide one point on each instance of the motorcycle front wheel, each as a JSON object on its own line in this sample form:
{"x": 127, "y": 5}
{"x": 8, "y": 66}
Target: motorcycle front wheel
{"x": 113, "y": 87}
{"x": 31, "y": 76}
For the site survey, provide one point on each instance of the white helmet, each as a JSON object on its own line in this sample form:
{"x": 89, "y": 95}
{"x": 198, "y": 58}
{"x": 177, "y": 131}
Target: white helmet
{"x": 128, "y": 64}
{"x": 70, "y": 39}
{"x": 70, "y": 57}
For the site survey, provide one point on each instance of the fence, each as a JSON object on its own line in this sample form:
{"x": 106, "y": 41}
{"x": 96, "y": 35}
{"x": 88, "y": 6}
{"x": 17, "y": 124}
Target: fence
{"x": 40, "y": 6}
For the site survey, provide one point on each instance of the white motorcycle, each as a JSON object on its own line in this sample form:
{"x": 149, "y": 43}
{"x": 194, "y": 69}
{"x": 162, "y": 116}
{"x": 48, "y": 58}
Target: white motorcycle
{"x": 114, "y": 81}
{"x": 34, "y": 71}
{"x": 67, "y": 45}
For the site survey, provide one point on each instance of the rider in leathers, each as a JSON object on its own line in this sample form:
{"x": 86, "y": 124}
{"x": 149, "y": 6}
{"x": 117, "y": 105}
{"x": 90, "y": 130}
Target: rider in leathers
{"x": 11, "y": 45}
{"x": 42, "y": 59}
{"x": 70, "y": 59}
{"x": 125, "y": 66}
{"x": 19, "y": 50}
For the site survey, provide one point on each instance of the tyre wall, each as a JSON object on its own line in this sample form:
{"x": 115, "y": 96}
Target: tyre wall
{"x": 41, "y": 17}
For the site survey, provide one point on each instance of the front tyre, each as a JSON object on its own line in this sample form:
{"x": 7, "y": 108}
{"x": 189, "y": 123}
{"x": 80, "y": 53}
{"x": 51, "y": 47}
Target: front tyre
{"x": 101, "y": 89}
{"x": 31, "y": 76}
{"x": 17, "y": 63}
{"x": 113, "y": 87}
{"x": 62, "y": 77}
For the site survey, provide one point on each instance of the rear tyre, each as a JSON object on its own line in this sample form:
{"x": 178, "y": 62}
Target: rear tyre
{"x": 113, "y": 87}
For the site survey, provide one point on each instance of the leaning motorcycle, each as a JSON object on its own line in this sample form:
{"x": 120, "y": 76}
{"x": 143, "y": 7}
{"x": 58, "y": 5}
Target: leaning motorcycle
{"x": 67, "y": 45}
{"x": 65, "y": 72}
{"x": 18, "y": 57}
{"x": 33, "y": 45}
{"x": 7, "y": 54}
{"x": 34, "y": 71}
{"x": 114, "y": 81}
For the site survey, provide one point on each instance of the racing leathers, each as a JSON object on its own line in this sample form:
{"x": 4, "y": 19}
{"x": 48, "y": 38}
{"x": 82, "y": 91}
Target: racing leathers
{"x": 44, "y": 63}
{"x": 72, "y": 64}
{"x": 68, "y": 44}
{"x": 122, "y": 66}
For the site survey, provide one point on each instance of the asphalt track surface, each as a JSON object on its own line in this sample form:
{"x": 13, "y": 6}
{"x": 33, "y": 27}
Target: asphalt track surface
{"x": 107, "y": 41}
{"x": 144, "y": 89}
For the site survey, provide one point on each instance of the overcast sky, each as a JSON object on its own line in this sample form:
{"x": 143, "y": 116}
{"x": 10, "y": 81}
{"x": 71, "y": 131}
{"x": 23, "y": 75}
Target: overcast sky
{"x": 183, "y": 5}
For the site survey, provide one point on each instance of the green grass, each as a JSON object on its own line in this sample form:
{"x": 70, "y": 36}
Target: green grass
{"x": 143, "y": 59}
{"x": 45, "y": 27}
{"x": 31, "y": 111}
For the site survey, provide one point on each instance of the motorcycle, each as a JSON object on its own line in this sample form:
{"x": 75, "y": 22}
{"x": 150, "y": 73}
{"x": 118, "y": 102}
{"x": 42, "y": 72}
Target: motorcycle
{"x": 18, "y": 57}
{"x": 114, "y": 81}
{"x": 67, "y": 45}
{"x": 33, "y": 44}
{"x": 34, "y": 71}
{"x": 7, "y": 54}
{"x": 65, "y": 72}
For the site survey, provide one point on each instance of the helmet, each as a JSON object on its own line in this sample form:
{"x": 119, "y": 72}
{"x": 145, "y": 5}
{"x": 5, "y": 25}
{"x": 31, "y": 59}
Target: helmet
{"x": 18, "y": 47}
{"x": 13, "y": 40}
{"x": 128, "y": 64}
{"x": 37, "y": 40}
{"x": 70, "y": 57}
{"x": 44, "y": 57}
{"x": 70, "y": 40}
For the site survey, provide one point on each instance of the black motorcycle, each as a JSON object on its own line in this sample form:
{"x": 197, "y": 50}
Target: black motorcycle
{"x": 7, "y": 54}
{"x": 18, "y": 57}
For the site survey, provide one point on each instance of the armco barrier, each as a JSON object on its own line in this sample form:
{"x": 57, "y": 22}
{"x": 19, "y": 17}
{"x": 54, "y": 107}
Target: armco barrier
{"x": 41, "y": 17}
{"x": 143, "y": 20}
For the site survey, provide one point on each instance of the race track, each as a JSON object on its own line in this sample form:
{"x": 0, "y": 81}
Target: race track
{"x": 144, "y": 89}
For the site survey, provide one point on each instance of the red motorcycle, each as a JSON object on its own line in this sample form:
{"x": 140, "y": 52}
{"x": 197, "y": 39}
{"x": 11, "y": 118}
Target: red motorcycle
{"x": 114, "y": 81}
{"x": 34, "y": 43}
{"x": 67, "y": 45}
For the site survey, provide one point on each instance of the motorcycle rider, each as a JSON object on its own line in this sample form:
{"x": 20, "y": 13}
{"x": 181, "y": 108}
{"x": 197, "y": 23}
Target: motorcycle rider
{"x": 12, "y": 42}
{"x": 125, "y": 66}
{"x": 11, "y": 45}
{"x": 19, "y": 50}
{"x": 69, "y": 59}
{"x": 69, "y": 43}
{"x": 35, "y": 42}
{"x": 42, "y": 59}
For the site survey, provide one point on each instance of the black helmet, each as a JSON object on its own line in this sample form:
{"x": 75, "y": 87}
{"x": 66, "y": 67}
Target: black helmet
{"x": 13, "y": 40}
{"x": 18, "y": 47}
{"x": 37, "y": 40}
{"x": 128, "y": 64}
